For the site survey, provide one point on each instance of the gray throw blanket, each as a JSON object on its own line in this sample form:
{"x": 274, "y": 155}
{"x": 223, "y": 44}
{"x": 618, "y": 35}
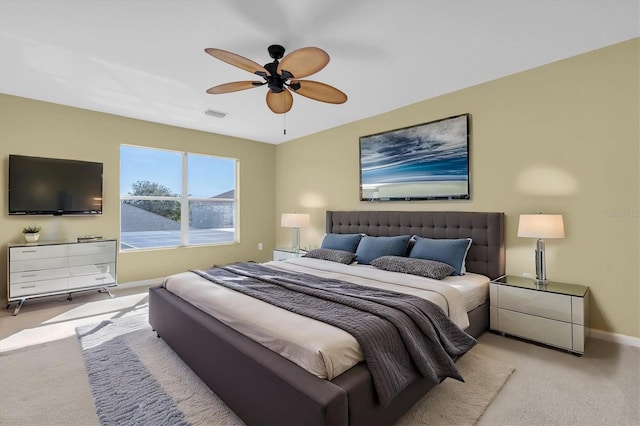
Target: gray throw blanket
{"x": 403, "y": 338}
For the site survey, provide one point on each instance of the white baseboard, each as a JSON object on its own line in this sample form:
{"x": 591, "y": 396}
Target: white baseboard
{"x": 614, "y": 337}
{"x": 143, "y": 283}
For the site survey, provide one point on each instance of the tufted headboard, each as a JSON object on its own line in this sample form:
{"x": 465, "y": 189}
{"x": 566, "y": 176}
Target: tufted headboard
{"x": 486, "y": 255}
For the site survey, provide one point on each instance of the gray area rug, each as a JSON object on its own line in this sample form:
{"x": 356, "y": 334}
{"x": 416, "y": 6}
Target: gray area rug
{"x": 137, "y": 379}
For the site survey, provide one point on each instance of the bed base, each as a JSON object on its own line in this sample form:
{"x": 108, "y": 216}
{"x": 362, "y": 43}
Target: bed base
{"x": 262, "y": 387}
{"x": 270, "y": 389}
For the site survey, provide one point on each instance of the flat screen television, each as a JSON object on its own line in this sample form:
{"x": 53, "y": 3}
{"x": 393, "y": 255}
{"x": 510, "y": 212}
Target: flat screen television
{"x": 52, "y": 186}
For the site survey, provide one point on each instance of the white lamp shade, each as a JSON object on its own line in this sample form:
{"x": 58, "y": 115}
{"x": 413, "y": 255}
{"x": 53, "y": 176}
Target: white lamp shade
{"x": 541, "y": 226}
{"x": 295, "y": 220}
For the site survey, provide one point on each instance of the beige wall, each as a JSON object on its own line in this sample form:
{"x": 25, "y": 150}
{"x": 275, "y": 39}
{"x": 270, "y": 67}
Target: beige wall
{"x": 35, "y": 128}
{"x": 562, "y": 138}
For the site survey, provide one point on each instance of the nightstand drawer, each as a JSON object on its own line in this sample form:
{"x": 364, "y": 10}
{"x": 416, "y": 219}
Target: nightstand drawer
{"x": 555, "y": 333}
{"x": 542, "y": 304}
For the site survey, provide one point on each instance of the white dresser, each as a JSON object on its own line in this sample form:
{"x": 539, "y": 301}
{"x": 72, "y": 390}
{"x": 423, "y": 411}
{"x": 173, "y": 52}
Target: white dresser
{"x": 50, "y": 268}
{"x": 554, "y": 314}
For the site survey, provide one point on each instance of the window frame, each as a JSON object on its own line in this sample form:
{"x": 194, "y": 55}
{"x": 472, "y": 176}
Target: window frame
{"x": 184, "y": 199}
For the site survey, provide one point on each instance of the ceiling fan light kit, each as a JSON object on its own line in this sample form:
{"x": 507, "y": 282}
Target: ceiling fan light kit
{"x": 282, "y": 76}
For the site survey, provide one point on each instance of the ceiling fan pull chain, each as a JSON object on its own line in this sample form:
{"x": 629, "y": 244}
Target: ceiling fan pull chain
{"x": 284, "y": 116}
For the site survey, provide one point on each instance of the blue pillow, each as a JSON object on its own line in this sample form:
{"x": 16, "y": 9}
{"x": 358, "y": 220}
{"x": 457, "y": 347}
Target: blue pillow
{"x": 345, "y": 242}
{"x": 373, "y": 247}
{"x": 452, "y": 252}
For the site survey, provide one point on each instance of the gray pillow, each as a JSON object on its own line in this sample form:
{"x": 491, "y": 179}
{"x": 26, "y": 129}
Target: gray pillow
{"x": 406, "y": 265}
{"x": 340, "y": 256}
{"x": 346, "y": 242}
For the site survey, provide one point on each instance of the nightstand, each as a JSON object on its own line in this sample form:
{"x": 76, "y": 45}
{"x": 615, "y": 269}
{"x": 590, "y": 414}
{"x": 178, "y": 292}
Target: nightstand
{"x": 554, "y": 314}
{"x": 287, "y": 253}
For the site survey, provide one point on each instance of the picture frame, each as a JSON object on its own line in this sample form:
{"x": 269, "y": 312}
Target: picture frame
{"x": 428, "y": 161}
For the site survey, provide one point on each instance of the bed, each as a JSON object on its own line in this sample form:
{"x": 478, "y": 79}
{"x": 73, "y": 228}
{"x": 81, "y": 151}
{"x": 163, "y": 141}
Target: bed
{"x": 263, "y": 387}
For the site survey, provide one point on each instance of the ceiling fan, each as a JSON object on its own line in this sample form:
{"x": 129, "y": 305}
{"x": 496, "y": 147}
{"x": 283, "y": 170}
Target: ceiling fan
{"x": 282, "y": 76}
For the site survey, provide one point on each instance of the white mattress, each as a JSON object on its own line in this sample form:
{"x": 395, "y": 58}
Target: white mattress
{"x": 321, "y": 349}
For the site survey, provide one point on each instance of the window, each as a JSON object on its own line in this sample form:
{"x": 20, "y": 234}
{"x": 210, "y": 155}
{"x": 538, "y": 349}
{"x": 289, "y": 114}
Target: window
{"x": 172, "y": 199}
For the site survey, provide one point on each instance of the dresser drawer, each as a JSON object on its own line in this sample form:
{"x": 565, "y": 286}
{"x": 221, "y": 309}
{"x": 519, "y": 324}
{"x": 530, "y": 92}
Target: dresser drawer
{"x": 91, "y": 259}
{"x": 106, "y": 277}
{"x": 38, "y": 252}
{"x": 105, "y": 268}
{"x": 38, "y": 287}
{"x": 28, "y": 276}
{"x": 38, "y": 264}
{"x": 539, "y": 303}
{"x": 95, "y": 247}
{"x": 551, "y": 332}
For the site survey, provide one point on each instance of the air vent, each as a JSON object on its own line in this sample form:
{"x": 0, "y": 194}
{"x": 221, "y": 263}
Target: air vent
{"x": 216, "y": 114}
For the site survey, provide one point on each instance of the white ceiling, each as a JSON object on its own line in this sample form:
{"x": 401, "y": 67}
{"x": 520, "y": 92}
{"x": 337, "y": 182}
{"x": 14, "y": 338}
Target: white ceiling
{"x": 145, "y": 59}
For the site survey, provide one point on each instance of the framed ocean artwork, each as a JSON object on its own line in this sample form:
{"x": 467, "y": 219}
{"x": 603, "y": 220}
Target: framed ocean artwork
{"x": 428, "y": 161}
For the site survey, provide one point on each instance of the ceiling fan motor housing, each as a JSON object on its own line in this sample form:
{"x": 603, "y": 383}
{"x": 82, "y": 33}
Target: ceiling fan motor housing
{"x": 274, "y": 80}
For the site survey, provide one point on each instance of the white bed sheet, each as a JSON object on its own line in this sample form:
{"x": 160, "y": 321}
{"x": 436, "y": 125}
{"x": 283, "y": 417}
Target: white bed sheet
{"x": 322, "y": 349}
{"x": 474, "y": 288}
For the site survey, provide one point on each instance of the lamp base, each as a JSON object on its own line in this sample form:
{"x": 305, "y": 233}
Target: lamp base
{"x": 295, "y": 240}
{"x": 541, "y": 267}
{"x": 541, "y": 284}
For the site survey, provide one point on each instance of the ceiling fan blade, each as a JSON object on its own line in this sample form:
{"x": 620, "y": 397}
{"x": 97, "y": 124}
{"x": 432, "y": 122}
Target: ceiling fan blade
{"x": 303, "y": 62}
{"x": 236, "y": 60}
{"x": 318, "y": 91}
{"x": 279, "y": 102}
{"x": 234, "y": 87}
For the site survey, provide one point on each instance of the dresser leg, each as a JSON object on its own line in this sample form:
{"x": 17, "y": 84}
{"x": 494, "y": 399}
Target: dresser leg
{"x": 106, "y": 290}
{"x": 17, "y": 309}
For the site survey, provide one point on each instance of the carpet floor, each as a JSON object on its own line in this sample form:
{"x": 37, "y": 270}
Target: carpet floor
{"x": 136, "y": 378}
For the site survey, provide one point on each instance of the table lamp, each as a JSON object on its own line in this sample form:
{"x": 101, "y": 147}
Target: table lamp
{"x": 540, "y": 226}
{"x": 295, "y": 221}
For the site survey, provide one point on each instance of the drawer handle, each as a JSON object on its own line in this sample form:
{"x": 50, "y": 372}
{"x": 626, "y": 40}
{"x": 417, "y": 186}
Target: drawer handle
{"x": 28, "y": 286}
{"x": 29, "y": 251}
{"x": 29, "y": 275}
{"x": 100, "y": 278}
